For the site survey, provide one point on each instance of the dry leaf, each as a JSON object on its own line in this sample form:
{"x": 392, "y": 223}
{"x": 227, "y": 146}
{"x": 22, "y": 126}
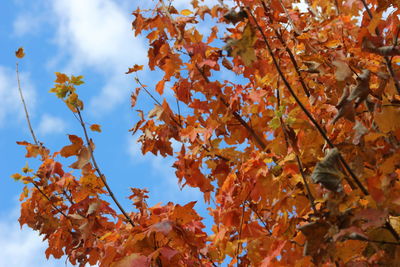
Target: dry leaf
{"x": 361, "y": 91}
{"x": 95, "y": 127}
{"x": 20, "y": 53}
{"x": 327, "y": 172}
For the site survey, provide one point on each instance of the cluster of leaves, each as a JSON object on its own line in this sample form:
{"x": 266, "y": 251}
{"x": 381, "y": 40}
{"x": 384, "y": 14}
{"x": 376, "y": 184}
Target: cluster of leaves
{"x": 300, "y": 158}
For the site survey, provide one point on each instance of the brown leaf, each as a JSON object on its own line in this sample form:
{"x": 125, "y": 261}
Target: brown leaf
{"x": 345, "y": 108}
{"x": 384, "y": 51}
{"x": 95, "y": 127}
{"x": 361, "y": 91}
{"x": 234, "y": 17}
{"x": 327, "y": 172}
{"x": 20, "y": 53}
{"x": 244, "y": 46}
{"x": 314, "y": 232}
{"x": 360, "y": 131}
{"x": 83, "y": 159}
{"x": 342, "y": 71}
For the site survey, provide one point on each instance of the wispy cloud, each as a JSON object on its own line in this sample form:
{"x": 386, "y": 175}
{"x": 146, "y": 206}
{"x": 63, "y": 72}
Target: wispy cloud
{"x": 10, "y": 102}
{"x": 22, "y": 248}
{"x": 97, "y": 34}
{"x": 51, "y": 125}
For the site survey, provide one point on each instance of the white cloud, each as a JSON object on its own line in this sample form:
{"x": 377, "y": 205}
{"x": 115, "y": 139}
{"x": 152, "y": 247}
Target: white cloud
{"x": 97, "y": 34}
{"x": 22, "y": 248}
{"x": 51, "y": 125}
{"x": 167, "y": 187}
{"x": 10, "y": 102}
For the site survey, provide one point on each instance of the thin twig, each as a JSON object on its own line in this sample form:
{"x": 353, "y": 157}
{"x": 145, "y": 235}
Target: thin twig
{"x": 147, "y": 91}
{"x": 36, "y": 142}
{"x": 288, "y": 17}
{"x": 291, "y": 56}
{"x": 300, "y": 164}
{"x": 26, "y": 110}
{"x": 308, "y": 114}
{"x": 240, "y": 230}
{"x": 101, "y": 175}
{"x": 206, "y": 257}
{"x": 260, "y": 218}
{"x": 179, "y": 112}
{"x": 47, "y": 197}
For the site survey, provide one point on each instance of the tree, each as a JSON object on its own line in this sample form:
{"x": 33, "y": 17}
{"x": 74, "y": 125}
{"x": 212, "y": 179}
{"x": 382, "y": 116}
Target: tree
{"x": 298, "y": 159}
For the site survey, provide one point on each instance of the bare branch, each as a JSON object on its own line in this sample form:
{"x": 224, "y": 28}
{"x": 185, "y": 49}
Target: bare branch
{"x": 25, "y": 108}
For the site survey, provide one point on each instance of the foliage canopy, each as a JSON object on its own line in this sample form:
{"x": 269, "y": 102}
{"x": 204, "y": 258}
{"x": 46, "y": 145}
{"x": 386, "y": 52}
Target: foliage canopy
{"x": 298, "y": 159}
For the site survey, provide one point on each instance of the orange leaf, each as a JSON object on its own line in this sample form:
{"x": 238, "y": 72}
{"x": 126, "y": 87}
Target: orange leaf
{"x": 20, "y": 53}
{"x": 135, "y": 68}
{"x": 186, "y": 12}
{"x": 95, "y": 127}
{"x": 61, "y": 78}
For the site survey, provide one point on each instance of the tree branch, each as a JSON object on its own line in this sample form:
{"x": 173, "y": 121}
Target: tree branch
{"x": 101, "y": 175}
{"x": 299, "y": 163}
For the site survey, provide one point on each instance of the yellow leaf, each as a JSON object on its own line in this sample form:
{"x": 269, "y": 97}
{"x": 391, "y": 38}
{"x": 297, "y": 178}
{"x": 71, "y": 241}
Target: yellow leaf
{"x": 95, "y": 127}
{"x": 20, "y": 53}
{"x": 186, "y": 12}
{"x": 16, "y": 176}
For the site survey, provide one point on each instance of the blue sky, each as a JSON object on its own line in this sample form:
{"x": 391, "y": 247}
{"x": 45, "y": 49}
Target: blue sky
{"x": 91, "y": 38}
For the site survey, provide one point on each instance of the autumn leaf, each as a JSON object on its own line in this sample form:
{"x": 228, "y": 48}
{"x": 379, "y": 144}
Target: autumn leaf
{"x": 135, "y": 68}
{"x": 95, "y": 127}
{"x": 61, "y": 78}
{"x": 20, "y": 53}
{"x": 345, "y": 108}
{"x": 186, "y": 12}
{"x": 244, "y": 46}
{"x": 361, "y": 91}
{"x": 342, "y": 71}
{"x": 83, "y": 158}
{"x": 134, "y": 259}
{"x": 327, "y": 172}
